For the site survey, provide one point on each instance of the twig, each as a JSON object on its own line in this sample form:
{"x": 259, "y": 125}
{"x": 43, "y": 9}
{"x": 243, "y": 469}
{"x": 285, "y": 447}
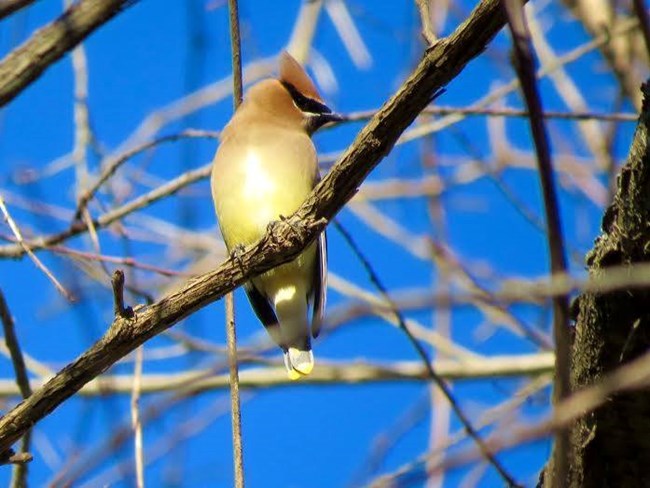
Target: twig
{"x": 197, "y": 423}
{"x": 503, "y": 411}
{"x": 426, "y": 249}
{"x": 135, "y": 418}
{"x": 378, "y": 307}
{"x": 425, "y": 19}
{"x": 47, "y": 45}
{"x": 124, "y": 261}
{"x": 439, "y": 411}
{"x": 303, "y": 30}
{"x": 348, "y": 33}
{"x": 118, "y": 296}
{"x": 19, "y": 237}
{"x": 478, "y": 110}
{"x": 440, "y": 383}
{"x": 231, "y": 329}
{"x": 524, "y": 66}
{"x": 604, "y": 19}
{"x": 113, "y": 164}
{"x": 19, "y": 474}
{"x": 235, "y": 46}
{"x": 498, "y": 93}
{"x": 22, "y": 379}
{"x": 79, "y": 227}
{"x": 235, "y": 405}
{"x": 631, "y": 376}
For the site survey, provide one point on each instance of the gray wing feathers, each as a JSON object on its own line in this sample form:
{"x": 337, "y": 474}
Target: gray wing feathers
{"x": 265, "y": 313}
{"x": 319, "y": 285}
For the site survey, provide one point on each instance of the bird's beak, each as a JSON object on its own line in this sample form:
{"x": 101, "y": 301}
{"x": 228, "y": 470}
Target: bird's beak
{"x": 316, "y": 121}
{"x": 332, "y": 117}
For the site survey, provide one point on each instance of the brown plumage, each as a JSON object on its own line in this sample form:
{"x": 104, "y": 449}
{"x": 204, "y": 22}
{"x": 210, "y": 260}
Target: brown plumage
{"x": 265, "y": 167}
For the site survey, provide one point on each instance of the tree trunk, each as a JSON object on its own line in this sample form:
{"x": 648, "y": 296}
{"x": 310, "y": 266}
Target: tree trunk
{"x": 611, "y": 446}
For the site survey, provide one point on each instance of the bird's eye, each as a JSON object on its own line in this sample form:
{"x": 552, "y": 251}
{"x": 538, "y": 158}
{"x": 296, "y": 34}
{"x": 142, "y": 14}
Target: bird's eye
{"x": 305, "y": 103}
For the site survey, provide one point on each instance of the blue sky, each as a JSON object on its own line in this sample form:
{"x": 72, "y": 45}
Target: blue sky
{"x": 302, "y": 436}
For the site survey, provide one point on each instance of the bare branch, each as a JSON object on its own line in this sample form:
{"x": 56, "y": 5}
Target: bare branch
{"x": 231, "y": 328}
{"x": 47, "y": 45}
{"x": 26, "y": 249}
{"x": 19, "y": 475}
{"x": 525, "y": 67}
{"x": 329, "y": 372}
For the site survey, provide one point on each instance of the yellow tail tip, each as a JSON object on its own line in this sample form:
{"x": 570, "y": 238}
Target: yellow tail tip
{"x": 298, "y": 363}
{"x": 293, "y": 375}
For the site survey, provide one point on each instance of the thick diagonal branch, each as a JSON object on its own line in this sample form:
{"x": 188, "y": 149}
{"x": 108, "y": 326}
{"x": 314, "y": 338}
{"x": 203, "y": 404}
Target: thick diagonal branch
{"x": 47, "y": 45}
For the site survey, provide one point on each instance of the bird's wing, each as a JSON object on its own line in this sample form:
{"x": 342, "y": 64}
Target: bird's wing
{"x": 319, "y": 285}
{"x": 264, "y": 312}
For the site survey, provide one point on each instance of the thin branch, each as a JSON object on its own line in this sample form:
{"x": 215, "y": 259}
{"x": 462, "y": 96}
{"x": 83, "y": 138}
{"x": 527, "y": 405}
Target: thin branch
{"x": 328, "y": 373}
{"x": 22, "y": 378}
{"x": 304, "y": 29}
{"x": 525, "y": 68}
{"x": 506, "y": 112}
{"x": 235, "y": 46}
{"x": 427, "y": 32}
{"x": 231, "y": 328}
{"x": 632, "y": 376}
{"x": 39, "y": 264}
{"x": 114, "y": 163}
{"x": 503, "y": 411}
{"x": 348, "y": 33}
{"x": 47, "y": 45}
{"x": 19, "y": 474}
{"x": 117, "y": 281}
{"x": 501, "y": 91}
{"x": 440, "y": 383}
{"x": 80, "y": 227}
{"x": 136, "y": 422}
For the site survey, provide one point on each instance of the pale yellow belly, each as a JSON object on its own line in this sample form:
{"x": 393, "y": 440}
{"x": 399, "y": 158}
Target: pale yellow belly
{"x": 251, "y": 195}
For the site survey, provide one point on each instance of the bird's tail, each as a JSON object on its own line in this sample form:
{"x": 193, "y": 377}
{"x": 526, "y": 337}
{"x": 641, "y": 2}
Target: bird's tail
{"x": 291, "y": 309}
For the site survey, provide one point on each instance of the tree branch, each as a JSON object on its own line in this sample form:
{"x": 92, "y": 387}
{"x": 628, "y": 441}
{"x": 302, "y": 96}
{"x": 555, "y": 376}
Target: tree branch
{"x": 328, "y": 373}
{"x": 47, "y": 45}
{"x": 525, "y": 67}
{"x": 8, "y": 7}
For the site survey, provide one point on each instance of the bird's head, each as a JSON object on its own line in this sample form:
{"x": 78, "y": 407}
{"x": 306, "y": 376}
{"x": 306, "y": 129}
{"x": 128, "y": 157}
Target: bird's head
{"x": 292, "y": 98}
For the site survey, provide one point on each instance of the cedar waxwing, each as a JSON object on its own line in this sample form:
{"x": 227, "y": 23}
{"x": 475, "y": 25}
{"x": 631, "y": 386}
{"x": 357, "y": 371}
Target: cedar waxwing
{"x": 264, "y": 169}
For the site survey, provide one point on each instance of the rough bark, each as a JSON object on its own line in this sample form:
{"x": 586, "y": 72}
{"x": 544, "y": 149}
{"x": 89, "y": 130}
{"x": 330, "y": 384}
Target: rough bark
{"x": 8, "y": 7}
{"x": 611, "y": 445}
{"x": 47, "y": 45}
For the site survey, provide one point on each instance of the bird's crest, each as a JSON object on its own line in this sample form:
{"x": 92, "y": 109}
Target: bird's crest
{"x": 292, "y": 73}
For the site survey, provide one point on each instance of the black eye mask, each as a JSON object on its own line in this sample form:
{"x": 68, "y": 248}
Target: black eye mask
{"x": 304, "y": 103}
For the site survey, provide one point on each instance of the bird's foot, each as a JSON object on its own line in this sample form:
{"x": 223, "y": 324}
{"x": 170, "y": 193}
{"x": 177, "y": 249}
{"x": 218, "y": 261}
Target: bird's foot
{"x": 237, "y": 254}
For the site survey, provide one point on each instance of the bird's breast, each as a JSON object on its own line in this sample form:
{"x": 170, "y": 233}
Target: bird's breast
{"x": 253, "y": 187}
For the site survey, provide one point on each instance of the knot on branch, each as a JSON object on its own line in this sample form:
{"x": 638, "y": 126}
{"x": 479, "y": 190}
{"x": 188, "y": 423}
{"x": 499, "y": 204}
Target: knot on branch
{"x": 11, "y": 457}
{"x": 293, "y": 233}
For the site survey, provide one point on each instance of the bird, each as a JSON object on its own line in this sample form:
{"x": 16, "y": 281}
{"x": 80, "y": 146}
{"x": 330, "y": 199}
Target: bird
{"x": 265, "y": 167}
